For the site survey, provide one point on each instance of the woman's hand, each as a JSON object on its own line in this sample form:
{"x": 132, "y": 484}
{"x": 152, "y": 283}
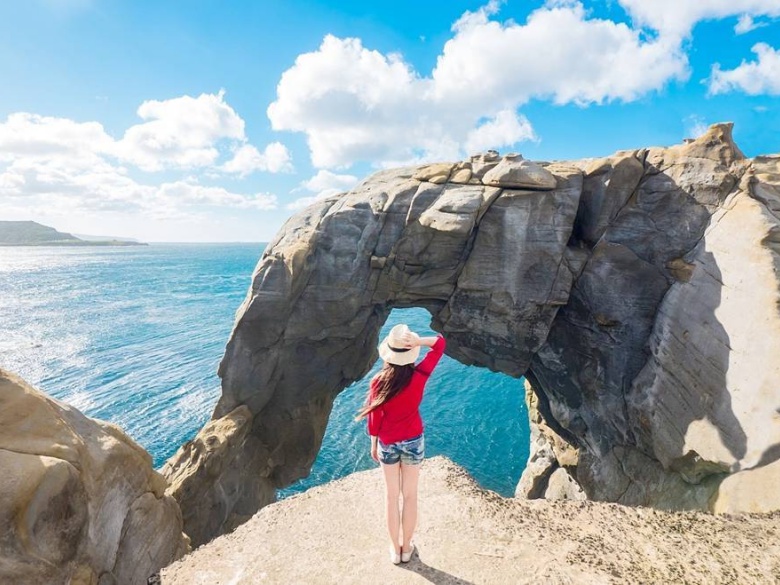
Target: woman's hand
{"x": 411, "y": 340}
{"x": 374, "y": 454}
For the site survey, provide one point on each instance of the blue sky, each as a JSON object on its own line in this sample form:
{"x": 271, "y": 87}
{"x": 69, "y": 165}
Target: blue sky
{"x": 215, "y": 121}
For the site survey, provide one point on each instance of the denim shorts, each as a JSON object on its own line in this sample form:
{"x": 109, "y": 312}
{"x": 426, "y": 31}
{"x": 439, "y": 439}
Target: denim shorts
{"x": 409, "y": 452}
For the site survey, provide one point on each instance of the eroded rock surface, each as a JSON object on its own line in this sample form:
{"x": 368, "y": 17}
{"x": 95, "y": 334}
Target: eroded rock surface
{"x": 552, "y": 461}
{"x": 335, "y": 533}
{"x": 638, "y": 294}
{"x": 79, "y": 501}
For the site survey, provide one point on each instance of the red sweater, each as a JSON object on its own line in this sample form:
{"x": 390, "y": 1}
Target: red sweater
{"x": 399, "y": 419}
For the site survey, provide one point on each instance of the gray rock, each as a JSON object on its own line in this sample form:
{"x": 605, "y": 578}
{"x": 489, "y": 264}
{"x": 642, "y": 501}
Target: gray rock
{"x": 545, "y": 474}
{"x": 637, "y": 293}
{"x": 706, "y": 400}
{"x": 224, "y": 442}
{"x": 607, "y": 186}
{"x": 482, "y": 163}
{"x": 562, "y": 486}
{"x": 514, "y": 172}
{"x": 436, "y": 173}
{"x": 461, "y": 173}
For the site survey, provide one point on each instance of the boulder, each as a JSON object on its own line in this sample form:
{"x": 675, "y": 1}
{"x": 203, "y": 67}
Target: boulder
{"x": 514, "y": 172}
{"x": 482, "y": 163}
{"x": 437, "y": 173}
{"x": 461, "y": 173}
{"x": 562, "y": 486}
{"x": 80, "y": 502}
{"x": 637, "y": 293}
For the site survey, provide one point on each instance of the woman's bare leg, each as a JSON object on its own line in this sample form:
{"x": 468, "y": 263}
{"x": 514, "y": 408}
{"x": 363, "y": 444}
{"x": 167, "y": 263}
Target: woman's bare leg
{"x": 392, "y": 490}
{"x": 409, "y": 476}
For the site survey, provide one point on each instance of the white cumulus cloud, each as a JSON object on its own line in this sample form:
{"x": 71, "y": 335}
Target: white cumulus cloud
{"x": 105, "y": 187}
{"x": 759, "y": 77}
{"x": 25, "y": 135}
{"x": 57, "y": 163}
{"x": 559, "y": 54}
{"x": 180, "y": 132}
{"x": 301, "y": 203}
{"x": 354, "y": 103}
{"x": 327, "y": 181}
{"x": 506, "y": 127}
{"x": 247, "y": 159}
{"x": 193, "y": 193}
{"x": 324, "y": 184}
{"x": 676, "y": 18}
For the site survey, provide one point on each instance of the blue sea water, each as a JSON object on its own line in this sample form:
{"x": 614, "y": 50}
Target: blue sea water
{"x": 134, "y": 336}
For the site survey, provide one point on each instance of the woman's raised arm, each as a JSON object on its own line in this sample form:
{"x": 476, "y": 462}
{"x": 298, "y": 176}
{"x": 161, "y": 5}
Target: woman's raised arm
{"x": 437, "y": 345}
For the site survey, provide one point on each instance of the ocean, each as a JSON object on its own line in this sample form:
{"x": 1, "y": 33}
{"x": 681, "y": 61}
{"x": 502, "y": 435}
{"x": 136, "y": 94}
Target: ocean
{"x": 134, "y": 336}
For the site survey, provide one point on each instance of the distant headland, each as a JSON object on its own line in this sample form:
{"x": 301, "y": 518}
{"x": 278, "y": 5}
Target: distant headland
{"x": 31, "y": 233}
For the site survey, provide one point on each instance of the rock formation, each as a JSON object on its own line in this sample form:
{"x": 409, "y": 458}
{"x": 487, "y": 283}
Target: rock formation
{"x": 638, "y": 294}
{"x": 552, "y": 461}
{"x": 335, "y": 533}
{"x": 81, "y": 504}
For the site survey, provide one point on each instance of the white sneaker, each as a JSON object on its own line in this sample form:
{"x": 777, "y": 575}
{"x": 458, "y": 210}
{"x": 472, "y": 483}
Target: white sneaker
{"x": 407, "y": 556}
{"x": 395, "y": 558}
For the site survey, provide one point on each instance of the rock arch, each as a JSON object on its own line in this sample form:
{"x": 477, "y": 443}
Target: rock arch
{"x": 603, "y": 281}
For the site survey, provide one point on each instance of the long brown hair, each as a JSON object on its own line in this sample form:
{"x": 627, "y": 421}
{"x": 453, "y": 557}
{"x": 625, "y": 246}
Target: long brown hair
{"x": 390, "y": 380}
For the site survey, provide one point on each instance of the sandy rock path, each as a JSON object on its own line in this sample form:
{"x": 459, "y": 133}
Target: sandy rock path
{"x": 335, "y": 534}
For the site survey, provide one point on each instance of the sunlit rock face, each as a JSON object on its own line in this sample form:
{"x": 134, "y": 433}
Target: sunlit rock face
{"x": 79, "y": 501}
{"x": 638, "y": 294}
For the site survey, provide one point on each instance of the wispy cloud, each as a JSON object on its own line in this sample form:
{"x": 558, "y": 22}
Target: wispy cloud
{"x": 247, "y": 160}
{"x": 695, "y": 126}
{"x": 746, "y": 23}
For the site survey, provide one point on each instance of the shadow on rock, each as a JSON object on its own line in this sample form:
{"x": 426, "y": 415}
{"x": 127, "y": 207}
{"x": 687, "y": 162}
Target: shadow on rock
{"x": 432, "y": 574}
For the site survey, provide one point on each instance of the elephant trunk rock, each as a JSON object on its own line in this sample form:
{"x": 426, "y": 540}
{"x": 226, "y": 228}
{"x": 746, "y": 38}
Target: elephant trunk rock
{"x": 629, "y": 290}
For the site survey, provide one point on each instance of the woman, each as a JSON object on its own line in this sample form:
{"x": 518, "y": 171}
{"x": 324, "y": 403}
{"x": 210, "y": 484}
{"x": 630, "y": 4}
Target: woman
{"x": 396, "y": 429}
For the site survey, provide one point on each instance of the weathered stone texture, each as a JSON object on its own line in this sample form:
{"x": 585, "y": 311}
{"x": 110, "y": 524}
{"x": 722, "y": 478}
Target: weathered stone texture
{"x": 638, "y": 293}
{"x": 80, "y": 501}
{"x": 551, "y": 460}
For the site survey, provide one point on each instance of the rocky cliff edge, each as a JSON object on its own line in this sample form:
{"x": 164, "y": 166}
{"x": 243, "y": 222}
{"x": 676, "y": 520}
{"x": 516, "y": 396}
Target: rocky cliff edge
{"x": 466, "y": 535}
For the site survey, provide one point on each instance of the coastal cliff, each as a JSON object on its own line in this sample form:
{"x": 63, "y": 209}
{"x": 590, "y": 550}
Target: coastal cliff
{"x": 31, "y": 233}
{"x": 637, "y": 293}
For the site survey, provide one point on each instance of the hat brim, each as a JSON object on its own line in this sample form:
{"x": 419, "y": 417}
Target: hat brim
{"x": 398, "y": 358}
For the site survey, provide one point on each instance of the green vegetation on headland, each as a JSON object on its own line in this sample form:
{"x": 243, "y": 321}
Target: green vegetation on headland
{"x": 31, "y": 233}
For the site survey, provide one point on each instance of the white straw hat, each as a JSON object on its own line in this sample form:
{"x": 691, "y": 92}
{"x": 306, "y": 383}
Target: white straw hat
{"x": 392, "y": 348}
